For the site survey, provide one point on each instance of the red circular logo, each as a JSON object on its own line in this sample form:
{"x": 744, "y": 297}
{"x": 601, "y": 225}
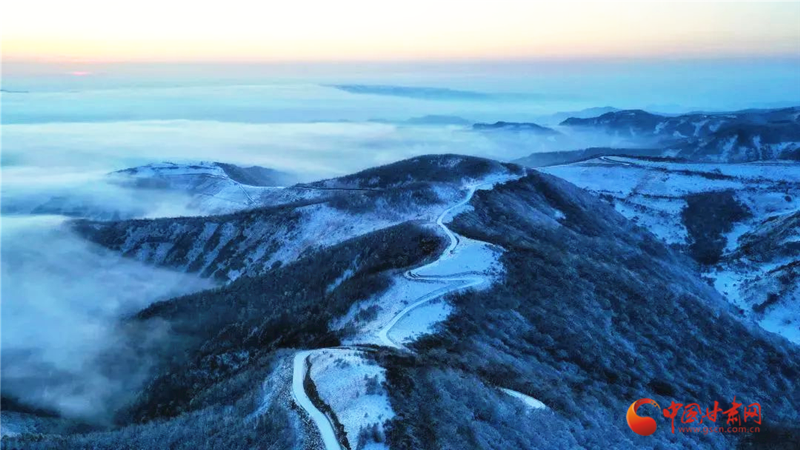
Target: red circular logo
{"x": 643, "y": 426}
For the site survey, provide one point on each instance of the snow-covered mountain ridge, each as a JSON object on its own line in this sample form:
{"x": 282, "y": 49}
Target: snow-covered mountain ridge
{"x": 296, "y": 219}
{"x": 740, "y": 136}
{"x": 157, "y": 190}
{"x": 738, "y": 220}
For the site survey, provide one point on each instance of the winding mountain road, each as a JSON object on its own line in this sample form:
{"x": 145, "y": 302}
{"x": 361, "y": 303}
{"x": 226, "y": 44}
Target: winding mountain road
{"x": 459, "y": 281}
{"x": 456, "y": 282}
{"x": 301, "y": 398}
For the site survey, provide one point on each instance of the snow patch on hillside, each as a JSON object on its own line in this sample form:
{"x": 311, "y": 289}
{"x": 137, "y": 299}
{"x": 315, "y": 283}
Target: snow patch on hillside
{"x": 526, "y": 399}
{"x": 662, "y": 217}
{"x": 211, "y": 190}
{"x": 420, "y": 321}
{"x": 747, "y": 285}
{"x": 370, "y": 316}
{"x": 469, "y": 261}
{"x": 323, "y": 226}
{"x": 732, "y": 237}
{"x": 784, "y": 319}
{"x": 470, "y": 256}
{"x": 353, "y": 386}
{"x": 652, "y": 193}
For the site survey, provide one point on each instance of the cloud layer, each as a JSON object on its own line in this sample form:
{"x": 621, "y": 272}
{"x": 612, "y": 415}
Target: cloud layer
{"x": 62, "y": 343}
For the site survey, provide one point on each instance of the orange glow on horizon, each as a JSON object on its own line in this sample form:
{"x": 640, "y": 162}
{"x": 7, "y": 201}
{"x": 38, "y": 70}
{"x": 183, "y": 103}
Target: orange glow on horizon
{"x": 360, "y": 30}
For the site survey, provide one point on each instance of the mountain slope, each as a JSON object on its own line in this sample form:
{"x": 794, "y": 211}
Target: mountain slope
{"x": 213, "y": 187}
{"x": 224, "y": 366}
{"x": 519, "y": 127}
{"x": 291, "y": 306}
{"x": 557, "y": 118}
{"x": 304, "y": 217}
{"x": 544, "y": 159}
{"x": 591, "y": 315}
{"x": 630, "y": 122}
{"x": 157, "y": 190}
{"x": 735, "y": 219}
{"x": 636, "y": 122}
{"x": 751, "y": 135}
{"x": 762, "y": 274}
{"x": 175, "y": 176}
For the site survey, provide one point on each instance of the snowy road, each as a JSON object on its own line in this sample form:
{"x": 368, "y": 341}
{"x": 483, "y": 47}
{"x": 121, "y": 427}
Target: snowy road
{"x": 455, "y": 282}
{"x": 458, "y": 281}
{"x": 301, "y": 398}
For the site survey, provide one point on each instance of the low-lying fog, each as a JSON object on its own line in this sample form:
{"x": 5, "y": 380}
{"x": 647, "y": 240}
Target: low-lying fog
{"x": 62, "y": 298}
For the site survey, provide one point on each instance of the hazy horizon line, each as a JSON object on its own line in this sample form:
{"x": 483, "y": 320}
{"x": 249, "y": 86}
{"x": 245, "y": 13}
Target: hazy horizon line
{"x": 666, "y": 57}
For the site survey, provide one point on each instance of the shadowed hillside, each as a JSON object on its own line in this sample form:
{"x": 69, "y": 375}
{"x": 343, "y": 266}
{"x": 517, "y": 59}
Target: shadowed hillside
{"x": 592, "y": 315}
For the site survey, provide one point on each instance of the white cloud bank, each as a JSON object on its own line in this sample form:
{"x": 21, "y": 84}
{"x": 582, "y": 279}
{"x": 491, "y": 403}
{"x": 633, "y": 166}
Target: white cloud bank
{"x": 62, "y": 299}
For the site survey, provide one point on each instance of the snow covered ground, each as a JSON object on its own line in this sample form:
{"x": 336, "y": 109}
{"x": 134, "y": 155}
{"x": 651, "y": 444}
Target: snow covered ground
{"x": 762, "y": 274}
{"x": 210, "y": 188}
{"x": 153, "y": 190}
{"x": 407, "y": 310}
{"x": 385, "y": 308}
{"x": 653, "y": 194}
{"x": 347, "y": 382}
{"x": 353, "y": 386}
{"x": 250, "y": 243}
{"x": 323, "y": 226}
{"x": 784, "y": 320}
{"x": 419, "y": 321}
{"x": 754, "y": 171}
{"x": 759, "y": 290}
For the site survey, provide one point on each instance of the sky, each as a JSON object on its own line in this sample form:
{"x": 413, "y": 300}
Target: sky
{"x": 365, "y": 30}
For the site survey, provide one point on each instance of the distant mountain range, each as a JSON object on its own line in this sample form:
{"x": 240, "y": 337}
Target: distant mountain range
{"x": 441, "y": 94}
{"x": 423, "y": 93}
{"x": 750, "y": 135}
{"x": 557, "y": 118}
{"x": 741, "y": 136}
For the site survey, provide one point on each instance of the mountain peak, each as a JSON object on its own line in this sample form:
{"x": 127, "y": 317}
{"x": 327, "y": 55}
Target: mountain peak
{"x": 250, "y": 175}
{"x": 442, "y": 168}
{"x": 526, "y": 127}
